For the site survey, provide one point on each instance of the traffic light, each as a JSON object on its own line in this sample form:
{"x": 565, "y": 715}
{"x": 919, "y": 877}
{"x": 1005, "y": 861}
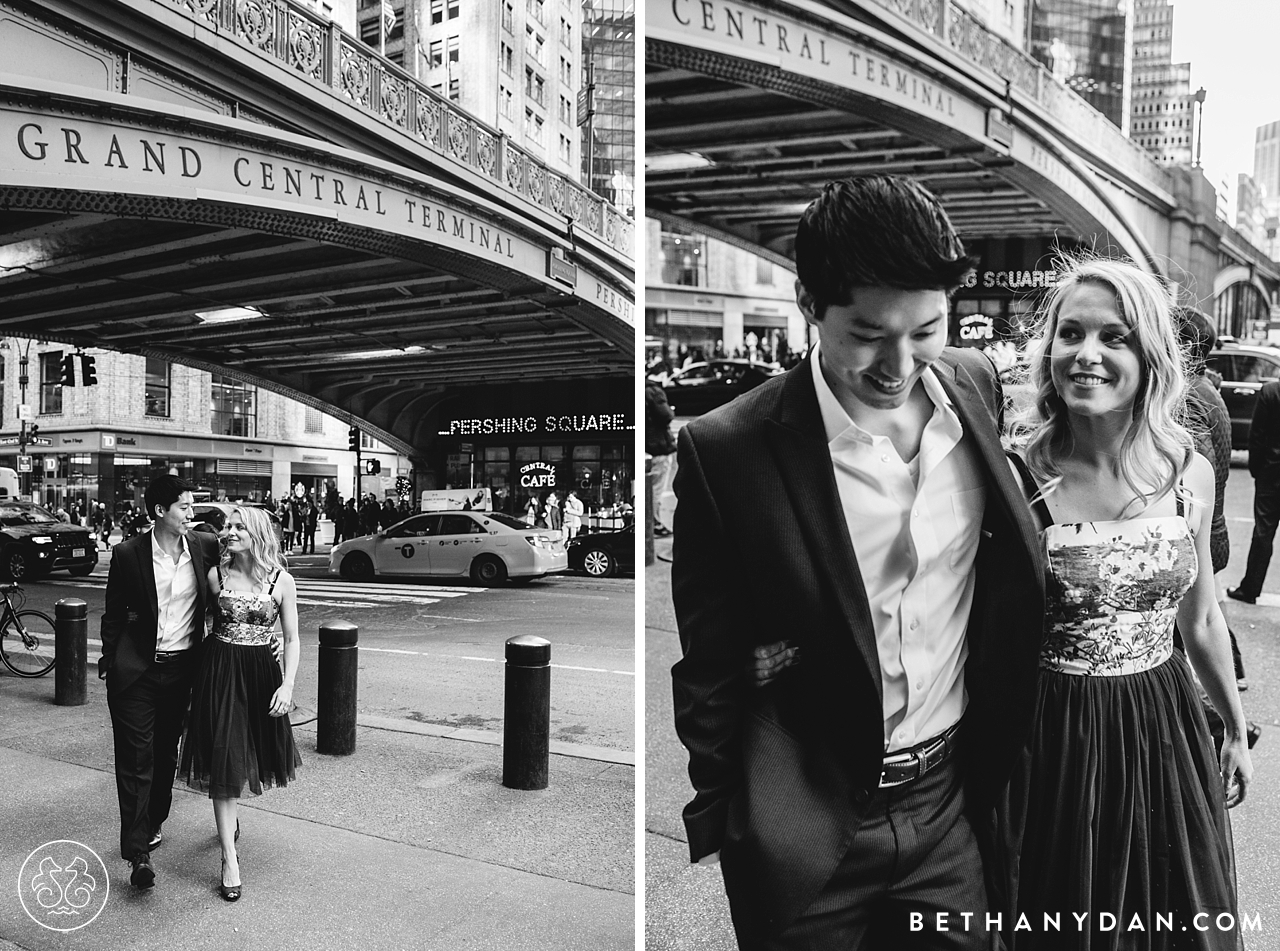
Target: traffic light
{"x": 68, "y": 370}
{"x": 372, "y": 466}
{"x": 88, "y": 370}
{"x": 353, "y": 439}
{"x": 31, "y": 433}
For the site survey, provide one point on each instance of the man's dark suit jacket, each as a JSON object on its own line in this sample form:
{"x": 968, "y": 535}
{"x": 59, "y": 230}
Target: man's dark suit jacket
{"x": 1264, "y": 435}
{"x": 783, "y": 774}
{"x": 132, "y": 612}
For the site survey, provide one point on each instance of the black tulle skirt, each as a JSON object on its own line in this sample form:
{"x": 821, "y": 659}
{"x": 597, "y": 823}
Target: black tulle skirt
{"x": 232, "y": 743}
{"x": 1116, "y": 808}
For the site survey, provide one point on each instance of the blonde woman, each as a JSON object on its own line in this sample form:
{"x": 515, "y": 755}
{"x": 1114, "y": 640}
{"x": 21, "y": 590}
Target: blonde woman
{"x": 238, "y": 733}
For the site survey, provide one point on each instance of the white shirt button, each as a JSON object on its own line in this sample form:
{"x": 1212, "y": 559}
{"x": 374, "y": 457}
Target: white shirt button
{"x": 884, "y": 458}
{"x": 914, "y": 624}
{"x": 915, "y": 513}
{"x": 920, "y": 684}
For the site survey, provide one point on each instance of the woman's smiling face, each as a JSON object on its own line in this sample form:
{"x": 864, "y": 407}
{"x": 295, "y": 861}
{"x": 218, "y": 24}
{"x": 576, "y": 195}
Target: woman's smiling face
{"x": 1094, "y": 358}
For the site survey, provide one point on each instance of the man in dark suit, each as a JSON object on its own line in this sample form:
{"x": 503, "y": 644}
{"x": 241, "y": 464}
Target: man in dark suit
{"x": 860, "y": 506}
{"x": 1264, "y": 466}
{"x": 151, "y": 633}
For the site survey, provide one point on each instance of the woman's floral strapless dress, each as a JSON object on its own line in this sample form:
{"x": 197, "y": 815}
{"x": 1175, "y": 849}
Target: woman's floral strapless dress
{"x": 1116, "y": 808}
{"x": 232, "y": 742}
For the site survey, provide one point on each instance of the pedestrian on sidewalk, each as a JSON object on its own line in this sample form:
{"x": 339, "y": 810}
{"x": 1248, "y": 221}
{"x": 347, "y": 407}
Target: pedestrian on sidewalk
{"x": 310, "y": 515}
{"x": 573, "y": 510}
{"x": 660, "y": 446}
{"x": 1264, "y": 466}
{"x": 152, "y": 628}
{"x": 238, "y": 736}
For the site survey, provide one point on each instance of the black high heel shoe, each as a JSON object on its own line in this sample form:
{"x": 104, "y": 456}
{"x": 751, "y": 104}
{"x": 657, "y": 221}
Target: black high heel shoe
{"x": 228, "y": 892}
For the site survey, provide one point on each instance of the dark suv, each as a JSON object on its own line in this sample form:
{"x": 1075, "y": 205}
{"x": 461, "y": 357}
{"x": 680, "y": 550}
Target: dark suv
{"x": 1244, "y": 368}
{"x": 33, "y": 542}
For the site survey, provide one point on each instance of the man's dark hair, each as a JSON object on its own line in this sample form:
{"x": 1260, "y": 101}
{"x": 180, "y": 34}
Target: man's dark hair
{"x": 1196, "y": 333}
{"x": 164, "y": 491}
{"x": 876, "y": 231}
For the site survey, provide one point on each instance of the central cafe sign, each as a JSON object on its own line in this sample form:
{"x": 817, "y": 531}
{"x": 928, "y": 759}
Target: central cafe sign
{"x": 538, "y": 475}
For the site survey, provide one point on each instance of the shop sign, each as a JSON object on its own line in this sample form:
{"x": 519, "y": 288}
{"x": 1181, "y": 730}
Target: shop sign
{"x": 50, "y": 463}
{"x": 108, "y": 441}
{"x": 444, "y": 500}
{"x": 506, "y": 425}
{"x": 253, "y": 450}
{"x": 127, "y": 440}
{"x": 977, "y": 327}
{"x": 538, "y": 475}
{"x": 1013, "y": 280}
{"x": 72, "y": 441}
{"x": 306, "y": 458}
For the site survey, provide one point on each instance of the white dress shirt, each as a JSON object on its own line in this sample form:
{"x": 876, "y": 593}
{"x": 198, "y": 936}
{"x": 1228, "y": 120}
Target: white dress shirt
{"x": 915, "y": 527}
{"x": 175, "y": 598}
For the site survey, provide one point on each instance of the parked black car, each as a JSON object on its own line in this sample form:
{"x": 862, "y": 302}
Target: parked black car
{"x": 701, "y": 387}
{"x": 1243, "y": 369}
{"x": 603, "y": 554}
{"x": 33, "y": 542}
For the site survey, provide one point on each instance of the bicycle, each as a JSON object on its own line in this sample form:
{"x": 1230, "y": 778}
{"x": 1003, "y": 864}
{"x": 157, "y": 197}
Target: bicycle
{"x": 26, "y": 637}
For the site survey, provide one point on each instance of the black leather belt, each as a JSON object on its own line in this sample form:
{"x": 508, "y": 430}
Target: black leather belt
{"x": 907, "y": 765}
{"x": 165, "y": 657}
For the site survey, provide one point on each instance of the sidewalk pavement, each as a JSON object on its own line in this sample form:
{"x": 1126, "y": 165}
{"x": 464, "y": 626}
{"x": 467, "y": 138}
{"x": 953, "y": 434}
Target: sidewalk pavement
{"x": 411, "y": 842}
{"x": 685, "y": 904}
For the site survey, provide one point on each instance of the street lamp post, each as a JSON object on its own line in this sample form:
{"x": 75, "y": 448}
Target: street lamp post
{"x": 1199, "y": 126}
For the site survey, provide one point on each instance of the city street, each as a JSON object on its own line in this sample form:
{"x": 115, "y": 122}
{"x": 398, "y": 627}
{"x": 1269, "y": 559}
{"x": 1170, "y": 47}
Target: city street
{"x": 412, "y": 840}
{"x": 433, "y": 653}
{"x": 685, "y": 904}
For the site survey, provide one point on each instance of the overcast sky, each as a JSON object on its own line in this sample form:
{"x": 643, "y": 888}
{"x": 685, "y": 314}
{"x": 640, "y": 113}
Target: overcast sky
{"x": 1233, "y": 47}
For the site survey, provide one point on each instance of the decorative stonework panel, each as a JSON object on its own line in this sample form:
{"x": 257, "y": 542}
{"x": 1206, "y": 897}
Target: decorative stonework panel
{"x": 537, "y": 183}
{"x": 515, "y": 167}
{"x": 305, "y": 48}
{"x": 355, "y": 75}
{"x": 556, "y": 193}
{"x": 486, "y": 151}
{"x": 430, "y": 114}
{"x": 395, "y": 99}
{"x": 256, "y": 22}
{"x": 574, "y": 210}
{"x": 459, "y": 137}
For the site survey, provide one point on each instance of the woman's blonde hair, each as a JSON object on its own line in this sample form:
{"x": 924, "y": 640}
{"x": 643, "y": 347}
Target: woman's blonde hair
{"x": 1157, "y": 447}
{"x": 263, "y": 553}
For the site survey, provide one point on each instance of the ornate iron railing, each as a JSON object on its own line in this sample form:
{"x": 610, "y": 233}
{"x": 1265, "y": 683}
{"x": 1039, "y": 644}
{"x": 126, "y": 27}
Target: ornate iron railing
{"x": 979, "y": 46}
{"x": 304, "y": 41}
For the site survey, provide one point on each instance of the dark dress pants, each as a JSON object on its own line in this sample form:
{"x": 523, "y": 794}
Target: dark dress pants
{"x": 915, "y": 852}
{"x": 147, "y": 718}
{"x": 1266, "y": 515}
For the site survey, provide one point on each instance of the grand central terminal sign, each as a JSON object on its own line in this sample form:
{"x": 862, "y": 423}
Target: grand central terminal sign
{"x": 45, "y": 149}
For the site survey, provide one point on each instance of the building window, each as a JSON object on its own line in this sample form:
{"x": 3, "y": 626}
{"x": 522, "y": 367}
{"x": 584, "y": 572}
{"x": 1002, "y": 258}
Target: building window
{"x": 367, "y": 441}
{"x": 437, "y": 11}
{"x": 535, "y": 46}
{"x": 451, "y": 49}
{"x": 233, "y": 407}
{"x": 455, "y": 89}
{"x": 537, "y": 10}
{"x": 508, "y": 10}
{"x": 314, "y": 421}
{"x": 566, "y": 72}
{"x": 51, "y": 382}
{"x": 508, "y": 102}
{"x": 435, "y": 54}
{"x": 533, "y": 128}
{"x": 159, "y": 383}
{"x": 453, "y": 9}
{"x": 684, "y": 259}
{"x": 566, "y": 150}
{"x": 504, "y": 58}
{"x": 534, "y": 87}
{"x": 566, "y": 33}
{"x": 566, "y": 110}
{"x": 369, "y": 31}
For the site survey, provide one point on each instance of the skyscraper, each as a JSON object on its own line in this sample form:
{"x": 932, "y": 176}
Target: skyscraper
{"x": 513, "y": 64}
{"x": 1163, "y": 114}
{"x": 1266, "y": 163}
{"x": 608, "y": 140}
{"x": 1088, "y": 45}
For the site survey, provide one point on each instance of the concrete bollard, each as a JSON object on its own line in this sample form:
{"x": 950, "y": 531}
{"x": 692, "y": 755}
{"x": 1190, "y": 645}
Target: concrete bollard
{"x": 526, "y": 713}
{"x": 336, "y": 688}
{"x": 650, "y": 513}
{"x": 70, "y": 652}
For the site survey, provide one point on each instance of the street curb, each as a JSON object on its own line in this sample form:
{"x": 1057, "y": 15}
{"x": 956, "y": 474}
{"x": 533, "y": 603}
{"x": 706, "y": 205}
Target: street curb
{"x": 602, "y": 754}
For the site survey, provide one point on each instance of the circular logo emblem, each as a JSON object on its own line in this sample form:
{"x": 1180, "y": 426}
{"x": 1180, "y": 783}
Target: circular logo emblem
{"x": 63, "y": 885}
{"x": 407, "y": 551}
